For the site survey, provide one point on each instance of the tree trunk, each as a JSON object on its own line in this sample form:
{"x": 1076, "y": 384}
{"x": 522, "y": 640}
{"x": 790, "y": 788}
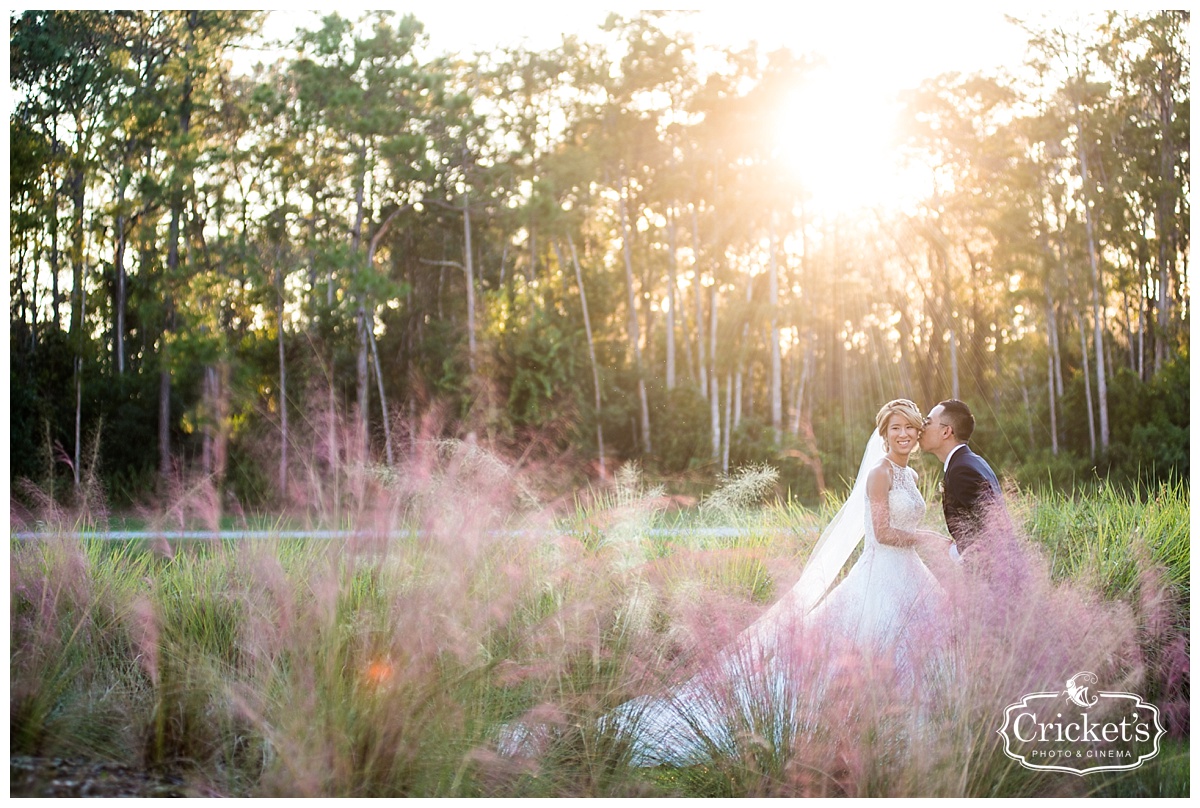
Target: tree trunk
{"x": 742, "y": 350}
{"x": 1051, "y": 358}
{"x": 714, "y": 398}
{"x": 326, "y": 362}
{"x": 634, "y": 337}
{"x": 78, "y": 415}
{"x": 78, "y": 308}
{"x": 1161, "y": 349}
{"x": 164, "y": 378}
{"x": 1143, "y": 304}
{"x": 1097, "y": 302}
{"x": 1058, "y": 374}
{"x": 177, "y": 213}
{"x": 728, "y": 431}
{"x": 587, "y": 326}
{"x": 646, "y": 284}
{"x": 362, "y": 377}
{"x": 55, "y": 294}
{"x": 387, "y": 426}
{"x": 469, "y": 271}
{"x": 1087, "y": 385}
{"x": 208, "y": 397}
{"x": 77, "y": 251}
{"x": 701, "y": 362}
{"x": 372, "y": 247}
{"x": 1053, "y": 404}
{"x": 119, "y": 271}
{"x": 776, "y": 356}
{"x": 737, "y": 398}
{"x": 671, "y": 274}
{"x": 1140, "y": 367}
{"x": 361, "y": 364}
{"x": 22, "y": 266}
{"x": 283, "y": 402}
{"x": 1164, "y": 211}
{"x": 689, "y": 356}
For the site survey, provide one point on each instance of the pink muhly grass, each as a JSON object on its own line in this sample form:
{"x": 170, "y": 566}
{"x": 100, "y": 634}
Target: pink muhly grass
{"x": 145, "y": 635}
{"x": 392, "y": 634}
{"x": 51, "y": 589}
{"x": 44, "y": 511}
{"x": 1174, "y": 668}
{"x": 838, "y": 722}
{"x": 269, "y": 602}
{"x": 1159, "y": 612}
{"x": 189, "y": 501}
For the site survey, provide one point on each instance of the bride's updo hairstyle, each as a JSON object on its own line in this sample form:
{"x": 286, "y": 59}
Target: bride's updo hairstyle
{"x": 903, "y": 407}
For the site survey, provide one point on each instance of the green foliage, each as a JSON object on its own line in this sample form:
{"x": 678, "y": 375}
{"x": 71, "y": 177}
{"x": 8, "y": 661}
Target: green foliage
{"x": 1150, "y": 440}
{"x": 1136, "y": 549}
{"x": 334, "y": 180}
{"x": 537, "y": 365}
{"x": 1043, "y": 470}
{"x": 682, "y": 430}
{"x": 1108, "y": 535}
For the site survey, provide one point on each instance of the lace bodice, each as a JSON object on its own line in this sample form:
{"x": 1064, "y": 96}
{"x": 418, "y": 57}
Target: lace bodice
{"x": 905, "y": 502}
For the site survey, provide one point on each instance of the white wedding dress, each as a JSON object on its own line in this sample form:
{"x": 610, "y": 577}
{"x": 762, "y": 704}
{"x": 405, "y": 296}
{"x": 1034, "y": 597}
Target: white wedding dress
{"x": 888, "y": 605}
{"x": 889, "y": 591}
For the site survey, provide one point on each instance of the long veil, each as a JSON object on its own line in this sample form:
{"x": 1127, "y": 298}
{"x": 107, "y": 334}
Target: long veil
{"x": 829, "y": 554}
{"x": 682, "y": 726}
{"x": 840, "y": 537}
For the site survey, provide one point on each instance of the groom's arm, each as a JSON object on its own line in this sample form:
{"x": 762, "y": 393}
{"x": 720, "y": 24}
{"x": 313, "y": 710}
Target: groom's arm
{"x": 966, "y": 484}
{"x": 969, "y": 492}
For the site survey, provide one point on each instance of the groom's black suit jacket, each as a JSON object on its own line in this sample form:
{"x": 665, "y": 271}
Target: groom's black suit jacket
{"x": 969, "y": 491}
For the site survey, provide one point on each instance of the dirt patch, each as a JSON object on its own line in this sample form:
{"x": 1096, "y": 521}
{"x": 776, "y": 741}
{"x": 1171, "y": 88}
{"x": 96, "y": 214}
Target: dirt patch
{"x": 73, "y": 777}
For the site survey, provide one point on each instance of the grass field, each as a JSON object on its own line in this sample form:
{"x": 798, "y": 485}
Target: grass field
{"x": 377, "y": 667}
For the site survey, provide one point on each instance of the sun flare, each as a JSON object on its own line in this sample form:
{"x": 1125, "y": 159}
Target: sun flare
{"x": 837, "y": 135}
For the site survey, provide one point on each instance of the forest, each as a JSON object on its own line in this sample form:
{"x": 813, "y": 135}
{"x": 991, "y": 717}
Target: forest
{"x": 577, "y": 257}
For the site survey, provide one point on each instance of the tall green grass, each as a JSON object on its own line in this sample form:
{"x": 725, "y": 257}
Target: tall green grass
{"x": 381, "y": 667}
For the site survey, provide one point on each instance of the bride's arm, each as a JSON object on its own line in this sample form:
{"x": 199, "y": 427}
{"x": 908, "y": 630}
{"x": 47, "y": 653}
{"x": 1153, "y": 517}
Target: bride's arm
{"x": 879, "y": 482}
{"x": 930, "y": 539}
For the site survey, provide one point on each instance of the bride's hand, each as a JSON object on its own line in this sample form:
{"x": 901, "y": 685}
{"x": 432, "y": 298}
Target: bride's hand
{"x": 934, "y": 549}
{"x": 933, "y": 541}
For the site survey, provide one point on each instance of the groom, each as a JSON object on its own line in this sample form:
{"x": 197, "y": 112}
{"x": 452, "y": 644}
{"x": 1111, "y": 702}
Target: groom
{"x": 971, "y": 492}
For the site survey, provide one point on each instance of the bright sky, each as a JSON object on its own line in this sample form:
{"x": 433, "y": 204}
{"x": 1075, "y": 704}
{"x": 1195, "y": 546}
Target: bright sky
{"x": 873, "y": 51}
{"x": 914, "y": 40}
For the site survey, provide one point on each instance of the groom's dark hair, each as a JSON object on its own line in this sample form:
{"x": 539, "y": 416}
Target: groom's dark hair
{"x": 958, "y": 416}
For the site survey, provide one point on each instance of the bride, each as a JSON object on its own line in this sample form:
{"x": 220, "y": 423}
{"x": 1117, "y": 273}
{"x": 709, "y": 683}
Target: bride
{"x": 880, "y": 612}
